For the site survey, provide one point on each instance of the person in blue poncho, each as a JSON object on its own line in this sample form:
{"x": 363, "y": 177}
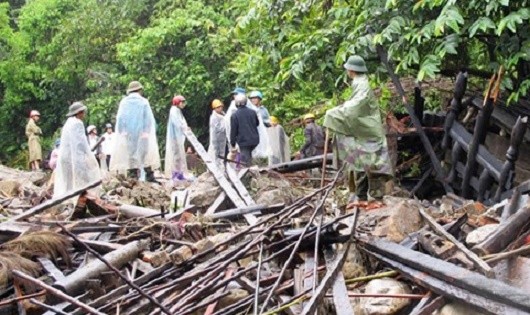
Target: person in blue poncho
{"x": 136, "y": 145}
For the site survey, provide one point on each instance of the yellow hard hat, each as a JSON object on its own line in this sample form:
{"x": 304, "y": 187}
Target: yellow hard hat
{"x": 216, "y": 103}
{"x": 274, "y": 120}
{"x": 309, "y": 116}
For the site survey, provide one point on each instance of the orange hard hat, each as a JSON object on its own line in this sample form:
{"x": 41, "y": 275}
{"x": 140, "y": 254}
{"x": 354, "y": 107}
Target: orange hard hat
{"x": 216, "y": 103}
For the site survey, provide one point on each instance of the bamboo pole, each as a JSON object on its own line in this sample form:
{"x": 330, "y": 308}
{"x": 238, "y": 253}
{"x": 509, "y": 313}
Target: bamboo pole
{"x": 56, "y": 292}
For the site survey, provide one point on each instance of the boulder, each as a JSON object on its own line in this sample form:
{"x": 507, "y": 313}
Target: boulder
{"x": 9, "y": 188}
{"x": 353, "y": 266}
{"x": 204, "y": 191}
{"x": 457, "y": 309}
{"x": 384, "y": 306}
{"x": 401, "y": 219}
{"x": 480, "y": 234}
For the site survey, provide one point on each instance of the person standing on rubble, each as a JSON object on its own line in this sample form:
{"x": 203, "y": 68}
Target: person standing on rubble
{"x": 176, "y": 167}
{"x": 92, "y": 134}
{"x": 279, "y": 143}
{"x": 314, "y": 138}
{"x": 360, "y": 139}
{"x": 255, "y": 98}
{"x": 107, "y": 144}
{"x": 33, "y": 132}
{"x": 217, "y": 147}
{"x": 76, "y": 163}
{"x": 135, "y": 144}
{"x": 244, "y": 125}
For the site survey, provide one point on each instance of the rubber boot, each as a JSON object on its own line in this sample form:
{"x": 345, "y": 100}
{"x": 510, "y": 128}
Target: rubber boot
{"x": 150, "y": 175}
{"x": 132, "y": 173}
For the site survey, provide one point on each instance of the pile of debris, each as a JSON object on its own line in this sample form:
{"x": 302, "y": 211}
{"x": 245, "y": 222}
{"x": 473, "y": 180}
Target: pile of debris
{"x": 274, "y": 241}
{"x": 300, "y": 252}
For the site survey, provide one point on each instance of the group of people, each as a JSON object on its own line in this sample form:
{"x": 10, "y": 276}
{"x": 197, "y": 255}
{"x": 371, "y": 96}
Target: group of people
{"x": 245, "y": 132}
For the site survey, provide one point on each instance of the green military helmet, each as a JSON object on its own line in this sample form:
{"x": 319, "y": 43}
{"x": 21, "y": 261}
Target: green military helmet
{"x": 356, "y": 63}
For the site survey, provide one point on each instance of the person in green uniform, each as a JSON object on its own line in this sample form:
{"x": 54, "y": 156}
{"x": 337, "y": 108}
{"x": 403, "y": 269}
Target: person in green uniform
{"x": 360, "y": 139}
{"x": 34, "y": 133}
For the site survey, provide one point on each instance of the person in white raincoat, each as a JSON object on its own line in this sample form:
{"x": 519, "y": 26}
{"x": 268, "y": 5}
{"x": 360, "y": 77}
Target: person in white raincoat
{"x": 175, "y": 162}
{"x": 279, "y": 143}
{"x": 262, "y": 150}
{"x": 76, "y": 163}
{"x": 217, "y": 147}
{"x": 135, "y": 137}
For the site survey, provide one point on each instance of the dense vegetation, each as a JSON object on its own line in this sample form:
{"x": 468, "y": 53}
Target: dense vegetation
{"x": 53, "y": 52}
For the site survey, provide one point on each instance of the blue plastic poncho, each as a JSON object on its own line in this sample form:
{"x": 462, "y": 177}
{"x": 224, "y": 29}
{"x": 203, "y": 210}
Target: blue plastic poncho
{"x": 175, "y": 161}
{"x": 76, "y": 163}
{"x": 135, "y": 137}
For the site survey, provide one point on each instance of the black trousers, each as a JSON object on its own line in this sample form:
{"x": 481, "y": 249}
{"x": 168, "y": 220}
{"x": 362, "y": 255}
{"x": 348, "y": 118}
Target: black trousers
{"x": 246, "y": 155}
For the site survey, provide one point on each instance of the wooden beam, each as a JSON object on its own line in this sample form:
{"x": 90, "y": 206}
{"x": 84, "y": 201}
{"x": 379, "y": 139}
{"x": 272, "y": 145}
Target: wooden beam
{"x": 50, "y": 203}
{"x": 219, "y": 176}
{"x": 480, "y": 264}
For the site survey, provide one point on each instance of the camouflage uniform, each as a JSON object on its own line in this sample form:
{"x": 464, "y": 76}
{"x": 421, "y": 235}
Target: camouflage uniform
{"x": 360, "y": 141}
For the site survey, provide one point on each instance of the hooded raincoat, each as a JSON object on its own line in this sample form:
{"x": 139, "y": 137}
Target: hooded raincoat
{"x": 279, "y": 145}
{"x": 175, "y": 161}
{"x": 135, "y": 144}
{"x": 76, "y": 163}
{"x": 361, "y": 140}
{"x": 217, "y": 145}
{"x": 33, "y": 132}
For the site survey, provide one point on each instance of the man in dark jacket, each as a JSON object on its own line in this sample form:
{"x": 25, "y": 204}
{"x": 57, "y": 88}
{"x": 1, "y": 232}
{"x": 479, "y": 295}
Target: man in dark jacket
{"x": 244, "y": 129}
{"x": 314, "y": 138}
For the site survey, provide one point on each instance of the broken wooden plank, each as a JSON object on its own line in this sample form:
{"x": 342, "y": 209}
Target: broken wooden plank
{"x": 50, "y": 203}
{"x": 218, "y": 175}
{"x": 50, "y": 267}
{"x": 238, "y": 185}
{"x": 333, "y": 268}
{"x": 302, "y": 164}
{"x": 340, "y": 291}
{"x": 222, "y": 196}
{"x": 505, "y": 233}
{"x": 450, "y": 289}
{"x": 447, "y": 274}
{"x": 440, "y": 174}
{"x": 480, "y": 264}
{"x": 74, "y": 283}
{"x": 57, "y": 293}
{"x": 232, "y": 213}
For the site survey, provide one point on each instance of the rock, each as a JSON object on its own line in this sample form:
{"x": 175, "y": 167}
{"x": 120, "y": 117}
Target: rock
{"x": 353, "y": 266}
{"x": 402, "y": 219}
{"x": 235, "y": 296}
{"x": 457, "y": 309}
{"x": 9, "y": 188}
{"x": 204, "y": 191}
{"x": 272, "y": 197}
{"x": 480, "y": 234}
{"x": 383, "y": 306}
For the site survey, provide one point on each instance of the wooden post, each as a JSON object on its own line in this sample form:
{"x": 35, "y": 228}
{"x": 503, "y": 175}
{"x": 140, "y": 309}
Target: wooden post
{"x": 440, "y": 176}
{"x": 505, "y": 233}
{"x": 479, "y": 134}
{"x": 456, "y": 107}
{"x": 506, "y": 179}
{"x": 419, "y": 103}
{"x": 324, "y": 160}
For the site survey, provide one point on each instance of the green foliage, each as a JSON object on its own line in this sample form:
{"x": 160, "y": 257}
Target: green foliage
{"x": 53, "y": 52}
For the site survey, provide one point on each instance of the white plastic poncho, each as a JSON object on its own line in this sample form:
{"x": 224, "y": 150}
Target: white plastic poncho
{"x": 218, "y": 138}
{"x": 262, "y": 150}
{"x": 76, "y": 164}
{"x": 135, "y": 137}
{"x": 175, "y": 154}
{"x": 279, "y": 145}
